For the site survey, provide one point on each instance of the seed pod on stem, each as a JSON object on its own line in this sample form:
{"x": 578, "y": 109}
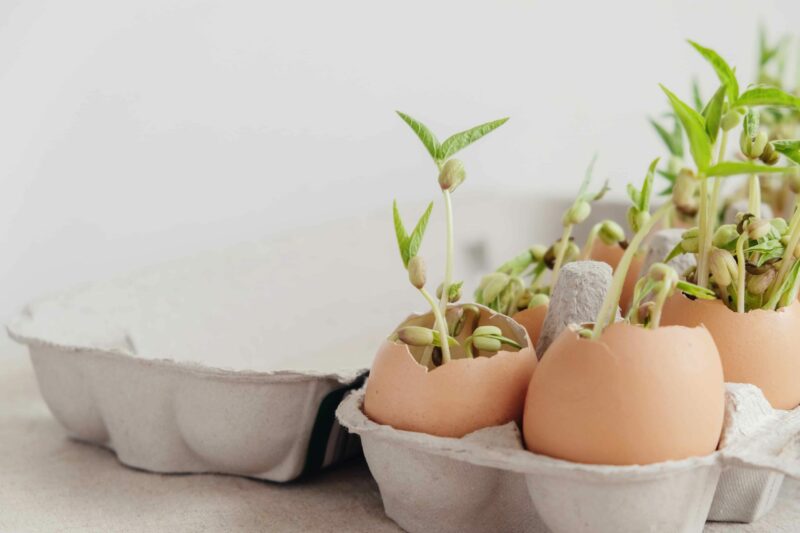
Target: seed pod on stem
{"x": 452, "y": 175}
{"x": 416, "y": 271}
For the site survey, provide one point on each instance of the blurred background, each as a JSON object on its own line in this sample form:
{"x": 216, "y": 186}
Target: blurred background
{"x": 134, "y": 132}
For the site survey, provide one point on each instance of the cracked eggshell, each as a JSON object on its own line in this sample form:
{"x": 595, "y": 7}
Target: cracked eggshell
{"x": 635, "y": 396}
{"x": 532, "y": 320}
{"x": 758, "y": 347}
{"x": 612, "y": 255}
{"x": 456, "y": 398}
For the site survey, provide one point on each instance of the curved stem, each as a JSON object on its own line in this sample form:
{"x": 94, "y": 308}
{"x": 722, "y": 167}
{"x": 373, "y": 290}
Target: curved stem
{"x": 611, "y": 301}
{"x": 788, "y": 257}
{"x": 661, "y": 296}
{"x": 441, "y": 325}
{"x": 562, "y": 251}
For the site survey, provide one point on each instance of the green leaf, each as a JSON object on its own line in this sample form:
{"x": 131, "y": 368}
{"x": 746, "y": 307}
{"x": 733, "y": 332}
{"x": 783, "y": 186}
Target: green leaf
{"x": 647, "y": 187}
{"x": 674, "y": 143}
{"x": 713, "y": 113}
{"x": 790, "y": 149}
{"x": 695, "y": 128}
{"x": 402, "y": 236}
{"x": 425, "y": 135}
{"x": 726, "y": 75}
{"x": 676, "y": 251}
{"x": 762, "y": 95}
{"x": 461, "y": 140}
{"x": 633, "y": 193}
{"x": 415, "y": 239}
{"x": 696, "y": 290}
{"x": 750, "y": 123}
{"x": 453, "y": 290}
{"x": 734, "y": 168}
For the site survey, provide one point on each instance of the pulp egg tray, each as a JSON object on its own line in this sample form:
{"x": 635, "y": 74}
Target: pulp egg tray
{"x": 487, "y": 481}
{"x": 197, "y": 366}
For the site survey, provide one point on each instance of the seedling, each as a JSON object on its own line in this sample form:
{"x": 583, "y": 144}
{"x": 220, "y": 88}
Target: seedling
{"x": 448, "y": 323}
{"x": 755, "y": 241}
{"x": 506, "y": 290}
{"x": 661, "y": 280}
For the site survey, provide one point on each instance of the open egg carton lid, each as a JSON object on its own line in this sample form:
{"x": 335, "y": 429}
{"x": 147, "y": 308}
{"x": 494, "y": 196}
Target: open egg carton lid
{"x": 233, "y": 361}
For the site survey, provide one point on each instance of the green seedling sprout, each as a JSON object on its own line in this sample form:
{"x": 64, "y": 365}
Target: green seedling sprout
{"x": 661, "y": 281}
{"x": 721, "y": 115}
{"x": 450, "y": 175}
{"x": 579, "y": 211}
{"x": 409, "y": 246}
{"x": 505, "y": 291}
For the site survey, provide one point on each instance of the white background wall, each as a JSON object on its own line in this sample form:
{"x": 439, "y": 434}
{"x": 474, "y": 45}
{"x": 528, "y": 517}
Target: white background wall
{"x": 136, "y": 131}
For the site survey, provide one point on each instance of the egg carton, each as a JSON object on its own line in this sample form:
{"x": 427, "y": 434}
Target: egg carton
{"x": 189, "y": 367}
{"x": 487, "y": 481}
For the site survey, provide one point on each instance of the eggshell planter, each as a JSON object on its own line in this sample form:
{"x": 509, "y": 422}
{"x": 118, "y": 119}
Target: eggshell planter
{"x": 532, "y": 320}
{"x": 633, "y": 396}
{"x": 486, "y": 481}
{"x": 458, "y": 397}
{"x": 758, "y": 347}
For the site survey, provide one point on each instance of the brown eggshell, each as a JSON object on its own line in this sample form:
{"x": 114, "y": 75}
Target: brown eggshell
{"x": 634, "y": 396}
{"x": 532, "y": 320}
{"x": 612, "y": 255}
{"x": 456, "y": 398}
{"x": 759, "y": 347}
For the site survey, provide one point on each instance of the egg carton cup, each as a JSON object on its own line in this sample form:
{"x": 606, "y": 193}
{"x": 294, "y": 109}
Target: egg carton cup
{"x": 176, "y": 417}
{"x": 487, "y": 481}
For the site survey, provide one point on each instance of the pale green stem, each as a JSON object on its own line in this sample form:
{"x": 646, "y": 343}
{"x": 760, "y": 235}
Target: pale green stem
{"x": 441, "y": 325}
{"x": 661, "y": 296}
{"x": 788, "y": 257}
{"x": 448, "y": 269}
{"x": 754, "y": 195}
{"x": 587, "y": 247}
{"x": 723, "y": 144}
{"x": 611, "y": 301}
{"x": 740, "y": 267}
{"x": 562, "y": 251}
{"x": 703, "y": 251}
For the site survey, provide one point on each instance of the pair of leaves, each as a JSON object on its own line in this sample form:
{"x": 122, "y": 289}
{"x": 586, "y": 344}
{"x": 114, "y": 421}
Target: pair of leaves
{"x": 583, "y": 194}
{"x": 440, "y": 152}
{"x": 409, "y": 244}
{"x": 759, "y": 95}
{"x": 641, "y": 198}
{"x": 767, "y": 250}
{"x": 700, "y": 143}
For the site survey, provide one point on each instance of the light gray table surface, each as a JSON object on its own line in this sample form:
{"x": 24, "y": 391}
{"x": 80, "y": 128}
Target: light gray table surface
{"x": 50, "y": 483}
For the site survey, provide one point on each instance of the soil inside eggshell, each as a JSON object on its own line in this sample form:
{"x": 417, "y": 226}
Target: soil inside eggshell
{"x": 633, "y": 396}
{"x": 760, "y": 347}
{"x": 612, "y": 255}
{"x": 458, "y": 397}
{"x": 532, "y": 320}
